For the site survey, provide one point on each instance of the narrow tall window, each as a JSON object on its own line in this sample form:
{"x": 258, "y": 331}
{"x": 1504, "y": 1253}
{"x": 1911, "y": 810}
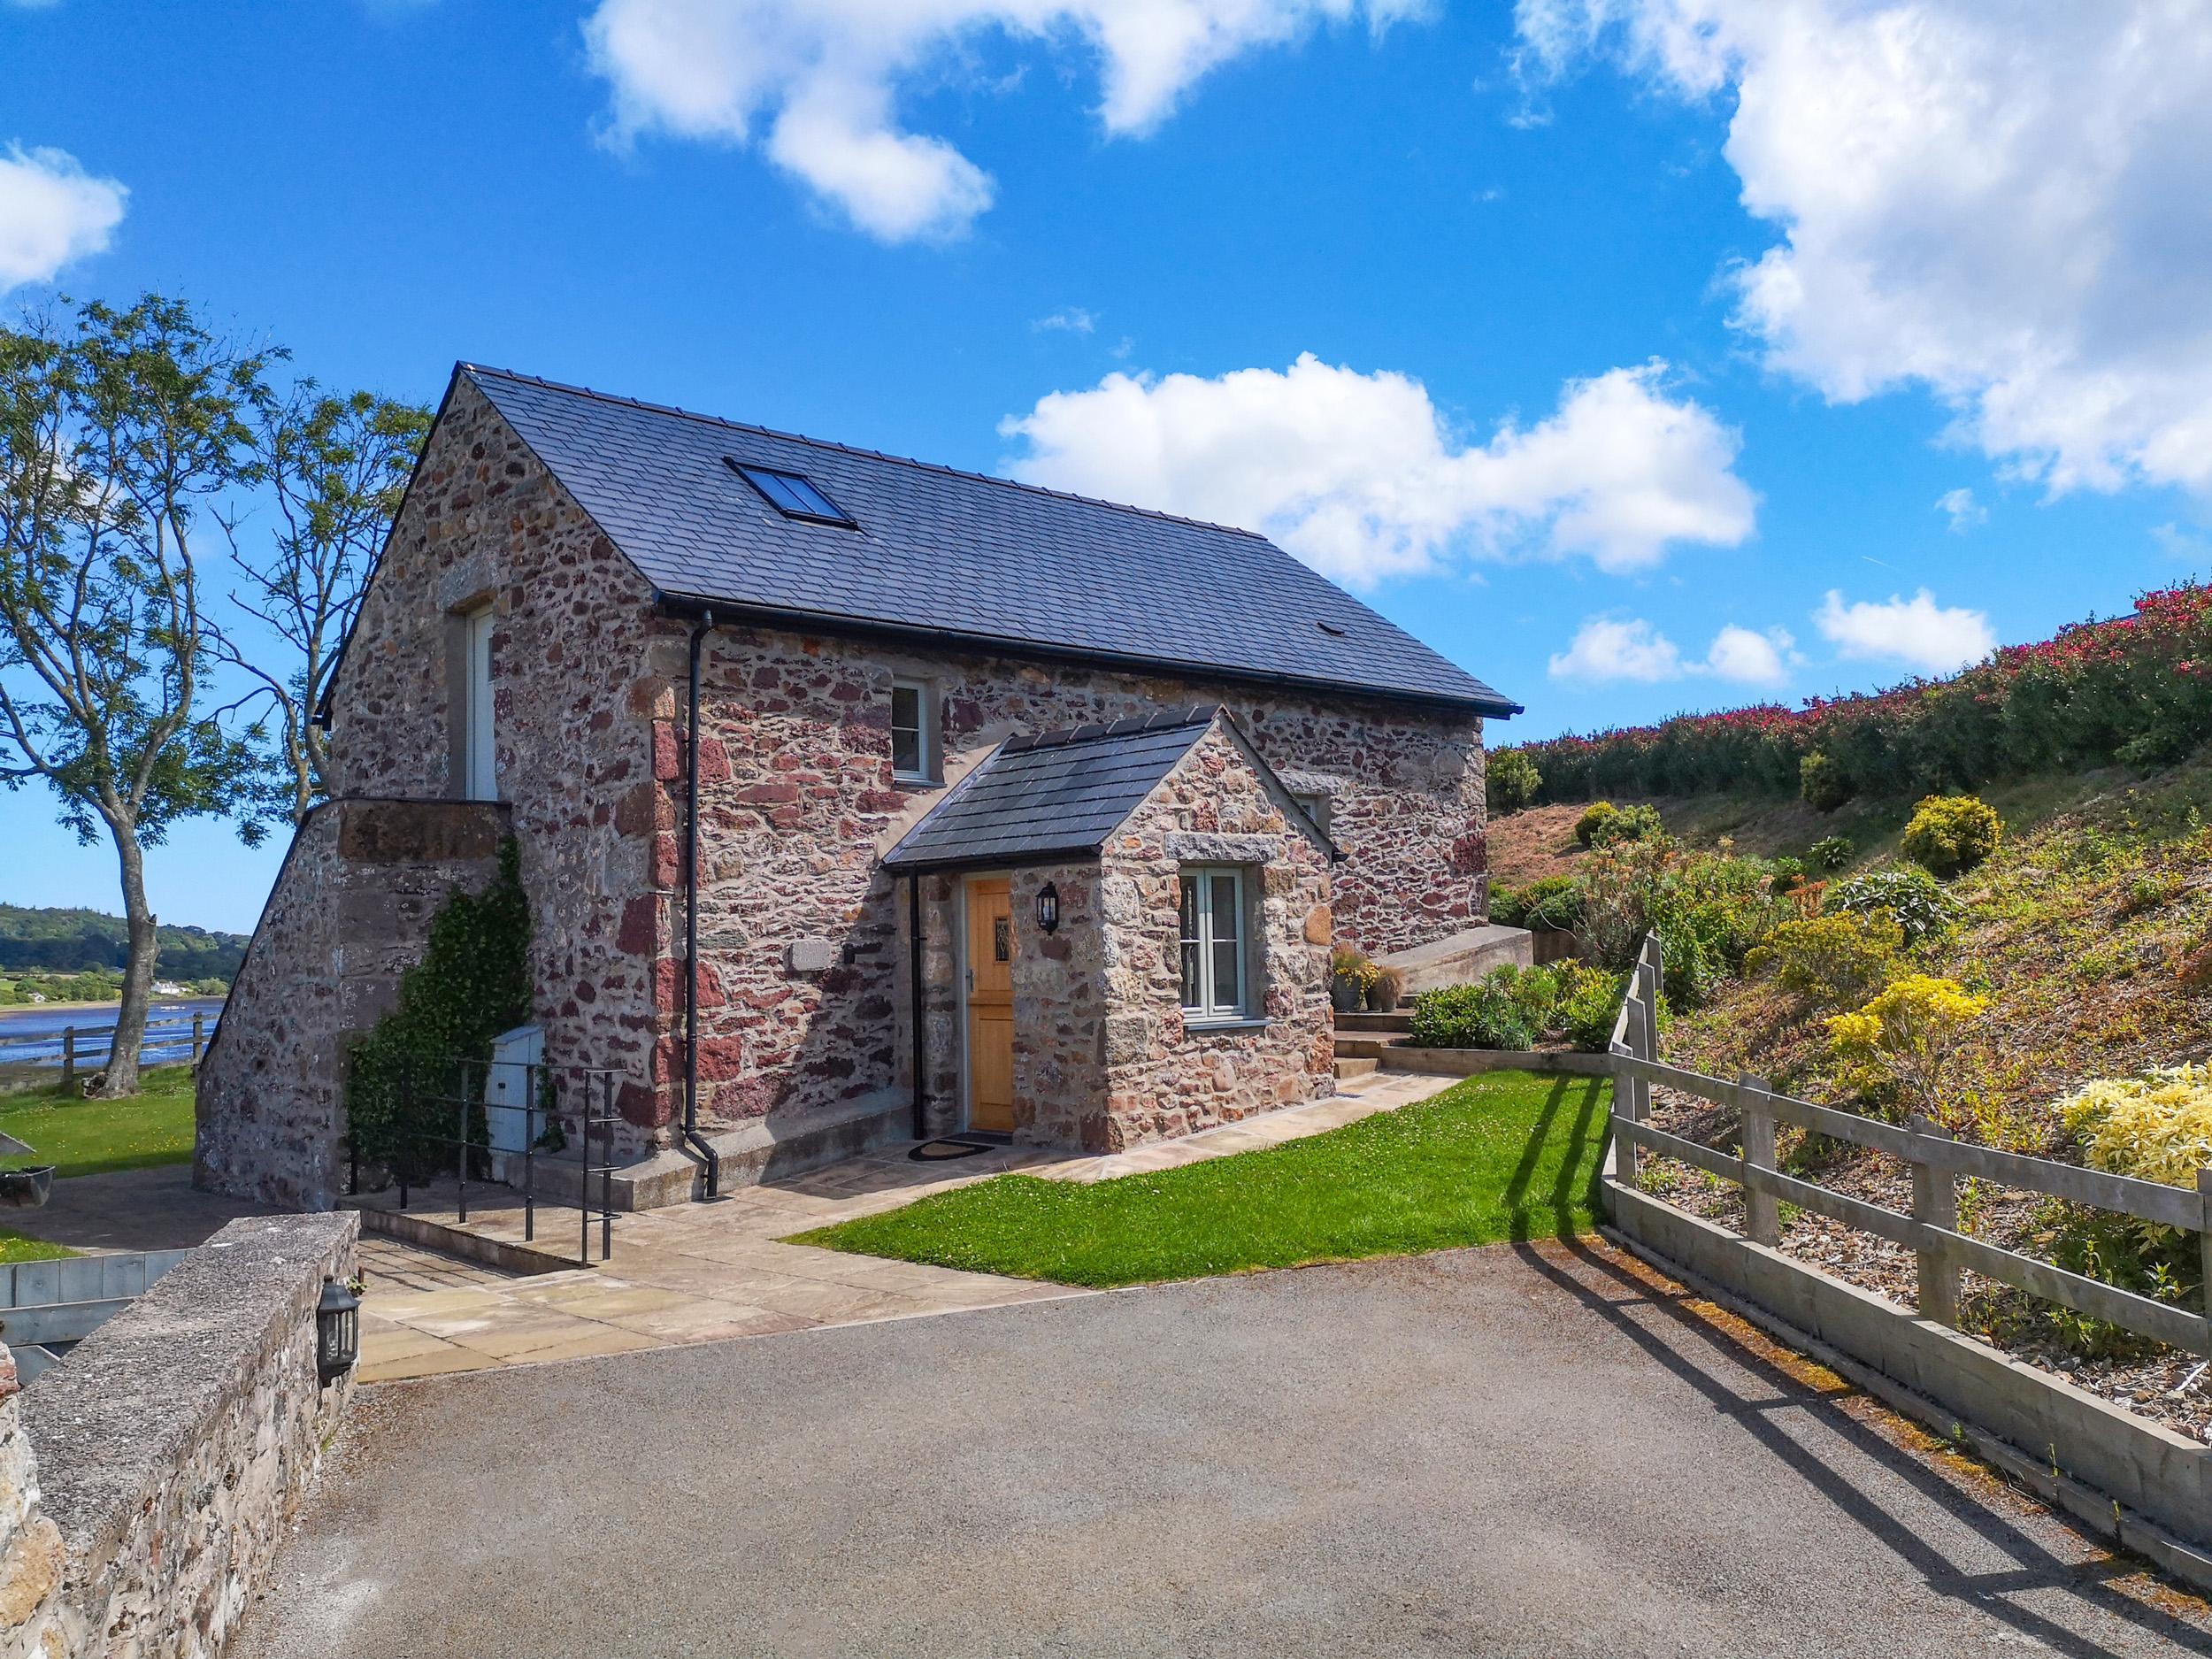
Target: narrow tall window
{"x": 1214, "y": 978}
{"x": 479, "y": 778}
{"x": 913, "y": 733}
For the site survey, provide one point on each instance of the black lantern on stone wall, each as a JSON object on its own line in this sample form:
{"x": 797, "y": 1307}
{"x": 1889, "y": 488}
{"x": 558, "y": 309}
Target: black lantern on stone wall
{"x": 1048, "y": 908}
{"x": 337, "y": 1331}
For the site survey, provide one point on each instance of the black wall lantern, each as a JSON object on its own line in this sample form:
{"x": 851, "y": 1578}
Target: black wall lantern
{"x": 337, "y": 1331}
{"x": 1048, "y": 908}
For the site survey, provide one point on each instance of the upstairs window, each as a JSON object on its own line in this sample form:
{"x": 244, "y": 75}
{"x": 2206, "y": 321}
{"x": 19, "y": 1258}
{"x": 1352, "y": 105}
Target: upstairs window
{"x": 792, "y": 494}
{"x": 913, "y": 732}
{"x": 1317, "y": 807}
{"x": 1214, "y": 984}
{"x": 477, "y": 768}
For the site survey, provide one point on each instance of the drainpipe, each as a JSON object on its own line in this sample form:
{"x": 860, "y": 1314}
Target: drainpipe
{"x": 692, "y": 1138}
{"x": 914, "y": 971}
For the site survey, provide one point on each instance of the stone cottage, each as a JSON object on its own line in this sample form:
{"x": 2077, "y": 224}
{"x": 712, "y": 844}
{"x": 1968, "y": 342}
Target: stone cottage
{"x": 975, "y": 807}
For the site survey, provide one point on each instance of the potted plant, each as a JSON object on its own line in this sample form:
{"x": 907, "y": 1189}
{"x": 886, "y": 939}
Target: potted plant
{"x": 1384, "y": 990}
{"x": 1350, "y": 973}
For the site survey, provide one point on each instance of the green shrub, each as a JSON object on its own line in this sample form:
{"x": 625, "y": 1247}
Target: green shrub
{"x": 1484, "y": 1015}
{"x": 1591, "y": 829}
{"x": 1822, "y": 782}
{"x": 1789, "y": 875}
{"x": 1604, "y": 824}
{"x": 1830, "y": 852}
{"x": 472, "y": 983}
{"x": 1551, "y": 901}
{"x": 1834, "y": 962}
{"x": 1911, "y": 898}
{"x": 1512, "y": 780}
{"x": 1589, "y": 1001}
{"x": 1950, "y": 833}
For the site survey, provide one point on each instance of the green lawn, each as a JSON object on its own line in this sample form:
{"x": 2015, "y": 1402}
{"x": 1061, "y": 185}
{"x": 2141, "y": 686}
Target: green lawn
{"x": 86, "y": 1137}
{"x": 17, "y": 1247}
{"x": 1509, "y": 1154}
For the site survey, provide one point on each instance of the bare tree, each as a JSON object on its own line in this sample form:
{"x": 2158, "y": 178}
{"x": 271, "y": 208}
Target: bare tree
{"x": 335, "y": 470}
{"x": 117, "y": 430}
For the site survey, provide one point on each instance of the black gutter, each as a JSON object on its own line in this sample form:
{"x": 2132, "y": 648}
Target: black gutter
{"x": 1003, "y": 645}
{"x": 914, "y": 974}
{"x": 692, "y": 1137}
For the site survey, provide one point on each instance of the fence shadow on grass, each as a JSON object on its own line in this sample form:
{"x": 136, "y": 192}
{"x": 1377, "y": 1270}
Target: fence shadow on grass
{"x": 2038, "y": 1567}
{"x": 1585, "y": 1140}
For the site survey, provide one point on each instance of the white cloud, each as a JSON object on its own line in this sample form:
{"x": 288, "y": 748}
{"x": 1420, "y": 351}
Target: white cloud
{"x": 1608, "y": 647}
{"x": 1071, "y": 318}
{"x": 52, "y": 212}
{"x": 1357, "y": 475}
{"x": 1751, "y": 659}
{"x": 2188, "y": 546}
{"x": 824, "y": 76}
{"x": 2009, "y": 204}
{"x": 1963, "y": 510}
{"x": 1931, "y": 638}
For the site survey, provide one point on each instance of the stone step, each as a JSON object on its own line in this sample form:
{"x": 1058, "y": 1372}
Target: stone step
{"x": 1362, "y": 1047}
{"x": 1400, "y": 1020}
{"x": 1346, "y": 1070}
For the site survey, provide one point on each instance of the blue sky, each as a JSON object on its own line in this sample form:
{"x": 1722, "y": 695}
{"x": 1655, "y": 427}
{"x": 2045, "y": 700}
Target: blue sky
{"x": 1573, "y": 409}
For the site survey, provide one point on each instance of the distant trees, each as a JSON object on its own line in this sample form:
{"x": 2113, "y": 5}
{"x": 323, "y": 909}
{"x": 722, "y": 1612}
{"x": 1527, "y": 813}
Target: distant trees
{"x": 118, "y": 431}
{"x": 333, "y": 471}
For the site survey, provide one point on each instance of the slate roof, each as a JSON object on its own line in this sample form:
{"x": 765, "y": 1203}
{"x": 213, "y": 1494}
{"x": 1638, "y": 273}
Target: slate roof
{"x": 1052, "y": 794}
{"x": 944, "y": 552}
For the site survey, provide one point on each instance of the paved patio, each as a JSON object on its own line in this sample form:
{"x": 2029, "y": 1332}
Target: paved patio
{"x": 704, "y": 1272}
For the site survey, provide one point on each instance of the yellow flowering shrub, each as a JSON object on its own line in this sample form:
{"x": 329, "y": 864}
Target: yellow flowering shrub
{"x": 1907, "y": 1035}
{"x": 2156, "y": 1128}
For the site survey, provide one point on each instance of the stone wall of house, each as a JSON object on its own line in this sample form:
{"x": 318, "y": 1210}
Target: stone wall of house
{"x": 1164, "y": 1078}
{"x": 580, "y": 693}
{"x": 173, "y": 1447}
{"x": 800, "y": 803}
{"x": 350, "y": 911}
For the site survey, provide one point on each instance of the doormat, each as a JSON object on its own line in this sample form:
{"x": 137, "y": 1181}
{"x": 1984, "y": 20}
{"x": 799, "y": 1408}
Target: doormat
{"x": 930, "y": 1151}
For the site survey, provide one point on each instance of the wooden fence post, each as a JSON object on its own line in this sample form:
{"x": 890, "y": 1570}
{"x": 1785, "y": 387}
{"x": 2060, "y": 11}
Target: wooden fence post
{"x": 1935, "y": 1203}
{"x": 1762, "y": 1212}
{"x": 199, "y": 1035}
{"x": 2204, "y": 1246}
{"x": 68, "y": 1057}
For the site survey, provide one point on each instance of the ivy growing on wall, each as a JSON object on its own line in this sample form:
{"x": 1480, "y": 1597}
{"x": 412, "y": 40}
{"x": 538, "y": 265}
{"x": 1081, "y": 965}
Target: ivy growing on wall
{"x": 472, "y": 983}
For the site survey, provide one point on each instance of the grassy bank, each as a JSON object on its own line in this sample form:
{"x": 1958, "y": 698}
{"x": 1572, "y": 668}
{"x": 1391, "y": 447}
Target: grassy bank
{"x": 90, "y": 1137}
{"x": 1509, "y": 1156}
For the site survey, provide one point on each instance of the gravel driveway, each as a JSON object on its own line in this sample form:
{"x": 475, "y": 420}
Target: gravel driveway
{"x": 1501, "y": 1452}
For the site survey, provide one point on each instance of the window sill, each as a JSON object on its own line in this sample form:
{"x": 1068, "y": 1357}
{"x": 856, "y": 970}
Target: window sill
{"x": 915, "y": 780}
{"x": 1218, "y": 1024}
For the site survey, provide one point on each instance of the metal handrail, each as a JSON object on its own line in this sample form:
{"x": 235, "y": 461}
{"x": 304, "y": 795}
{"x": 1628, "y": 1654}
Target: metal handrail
{"x": 466, "y": 1082}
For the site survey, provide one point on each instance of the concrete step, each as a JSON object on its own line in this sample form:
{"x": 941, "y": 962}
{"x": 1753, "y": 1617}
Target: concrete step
{"x": 1346, "y": 1070}
{"x": 1400, "y": 1019}
{"x": 1363, "y": 1047}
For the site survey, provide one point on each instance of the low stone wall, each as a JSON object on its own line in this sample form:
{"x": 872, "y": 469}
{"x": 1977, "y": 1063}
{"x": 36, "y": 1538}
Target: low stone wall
{"x": 173, "y": 1448}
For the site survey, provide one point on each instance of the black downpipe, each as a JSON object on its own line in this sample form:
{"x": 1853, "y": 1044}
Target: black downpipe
{"x": 914, "y": 970}
{"x": 692, "y": 1138}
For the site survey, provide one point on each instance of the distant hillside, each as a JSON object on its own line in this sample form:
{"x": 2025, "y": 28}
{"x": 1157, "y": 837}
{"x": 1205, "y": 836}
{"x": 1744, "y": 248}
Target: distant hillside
{"x": 71, "y": 940}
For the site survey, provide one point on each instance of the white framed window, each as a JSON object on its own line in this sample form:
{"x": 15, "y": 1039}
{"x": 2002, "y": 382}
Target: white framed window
{"x": 479, "y": 778}
{"x": 1316, "y": 807}
{"x": 1217, "y": 984}
{"x": 913, "y": 732}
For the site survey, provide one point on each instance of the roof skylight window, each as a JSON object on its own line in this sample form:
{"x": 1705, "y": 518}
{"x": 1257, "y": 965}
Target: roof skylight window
{"x": 792, "y": 495}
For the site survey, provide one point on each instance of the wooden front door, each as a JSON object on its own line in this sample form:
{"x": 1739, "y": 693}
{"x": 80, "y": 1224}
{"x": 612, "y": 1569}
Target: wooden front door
{"x": 990, "y": 1004}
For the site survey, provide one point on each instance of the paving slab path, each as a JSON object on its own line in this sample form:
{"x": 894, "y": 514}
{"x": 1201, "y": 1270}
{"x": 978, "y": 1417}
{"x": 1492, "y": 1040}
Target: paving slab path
{"x": 705, "y": 1272}
{"x": 1539, "y": 1451}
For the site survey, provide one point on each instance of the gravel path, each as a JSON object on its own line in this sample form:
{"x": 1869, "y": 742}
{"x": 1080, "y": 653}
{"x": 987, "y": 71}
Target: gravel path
{"x": 1513, "y": 1451}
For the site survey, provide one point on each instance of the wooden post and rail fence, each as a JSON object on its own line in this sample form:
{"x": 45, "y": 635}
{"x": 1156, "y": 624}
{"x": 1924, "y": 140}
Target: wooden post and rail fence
{"x": 79, "y": 1045}
{"x": 1937, "y": 1161}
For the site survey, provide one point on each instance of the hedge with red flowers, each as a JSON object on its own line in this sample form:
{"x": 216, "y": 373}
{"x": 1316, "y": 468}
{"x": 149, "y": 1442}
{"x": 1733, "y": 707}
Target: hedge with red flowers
{"x": 2137, "y": 689}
